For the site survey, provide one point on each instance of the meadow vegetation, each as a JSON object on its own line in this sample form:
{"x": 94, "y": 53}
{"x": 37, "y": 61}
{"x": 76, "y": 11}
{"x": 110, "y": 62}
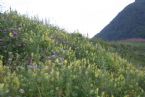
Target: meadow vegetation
{"x": 41, "y": 60}
{"x": 132, "y": 51}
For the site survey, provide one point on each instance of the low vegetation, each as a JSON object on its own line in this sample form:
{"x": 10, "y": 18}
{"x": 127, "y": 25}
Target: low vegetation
{"x": 132, "y": 51}
{"x": 41, "y": 60}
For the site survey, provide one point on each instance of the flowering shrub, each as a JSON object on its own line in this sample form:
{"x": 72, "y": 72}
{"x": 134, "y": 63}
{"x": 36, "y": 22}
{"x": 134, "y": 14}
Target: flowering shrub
{"x": 40, "y": 60}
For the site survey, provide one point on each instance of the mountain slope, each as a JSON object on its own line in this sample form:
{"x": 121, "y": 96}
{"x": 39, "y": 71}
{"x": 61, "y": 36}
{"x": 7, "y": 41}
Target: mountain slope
{"x": 133, "y": 51}
{"x": 129, "y": 23}
{"x": 39, "y": 60}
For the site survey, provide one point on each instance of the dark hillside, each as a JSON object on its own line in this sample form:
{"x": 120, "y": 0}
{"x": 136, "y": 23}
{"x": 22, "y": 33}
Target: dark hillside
{"x": 129, "y": 23}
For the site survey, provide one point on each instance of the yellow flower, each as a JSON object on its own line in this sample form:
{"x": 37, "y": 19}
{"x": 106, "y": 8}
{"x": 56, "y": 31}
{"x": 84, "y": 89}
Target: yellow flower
{"x": 10, "y": 34}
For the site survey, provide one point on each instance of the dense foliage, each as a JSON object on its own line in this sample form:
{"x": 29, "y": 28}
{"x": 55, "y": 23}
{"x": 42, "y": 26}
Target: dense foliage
{"x": 129, "y": 23}
{"x": 133, "y": 51}
{"x": 41, "y": 60}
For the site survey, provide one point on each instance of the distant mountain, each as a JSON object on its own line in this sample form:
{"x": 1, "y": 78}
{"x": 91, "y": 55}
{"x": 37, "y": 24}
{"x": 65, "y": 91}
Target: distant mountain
{"x": 129, "y": 23}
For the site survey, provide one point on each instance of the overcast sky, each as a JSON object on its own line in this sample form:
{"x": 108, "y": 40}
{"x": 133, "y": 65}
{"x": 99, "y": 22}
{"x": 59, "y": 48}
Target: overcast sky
{"x": 86, "y": 16}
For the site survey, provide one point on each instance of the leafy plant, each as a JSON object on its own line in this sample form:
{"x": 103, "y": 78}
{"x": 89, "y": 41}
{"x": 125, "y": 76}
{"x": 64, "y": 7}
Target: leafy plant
{"x": 45, "y": 61}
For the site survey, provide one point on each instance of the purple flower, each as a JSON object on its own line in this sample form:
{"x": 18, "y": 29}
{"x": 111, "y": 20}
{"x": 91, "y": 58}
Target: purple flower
{"x": 15, "y": 34}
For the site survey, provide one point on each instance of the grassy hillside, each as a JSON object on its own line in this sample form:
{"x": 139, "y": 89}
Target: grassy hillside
{"x": 133, "y": 51}
{"x": 39, "y": 60}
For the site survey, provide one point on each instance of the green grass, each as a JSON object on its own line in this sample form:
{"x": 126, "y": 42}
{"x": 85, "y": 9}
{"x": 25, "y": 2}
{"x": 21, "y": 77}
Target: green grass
{"x": 134, "y": 52}
{"x": 39, "y": 60}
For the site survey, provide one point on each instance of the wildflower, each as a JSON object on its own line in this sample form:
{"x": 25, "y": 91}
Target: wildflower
{"x": 13, "y": 34}
{"x": 22, "y": 91}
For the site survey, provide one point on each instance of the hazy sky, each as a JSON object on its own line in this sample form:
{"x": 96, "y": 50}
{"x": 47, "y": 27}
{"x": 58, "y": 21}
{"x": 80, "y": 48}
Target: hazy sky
{"x": 86, "y": 16}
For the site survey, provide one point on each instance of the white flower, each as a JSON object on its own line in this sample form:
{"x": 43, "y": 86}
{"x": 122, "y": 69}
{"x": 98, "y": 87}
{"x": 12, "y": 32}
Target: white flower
{"x": 22, "y": 91}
